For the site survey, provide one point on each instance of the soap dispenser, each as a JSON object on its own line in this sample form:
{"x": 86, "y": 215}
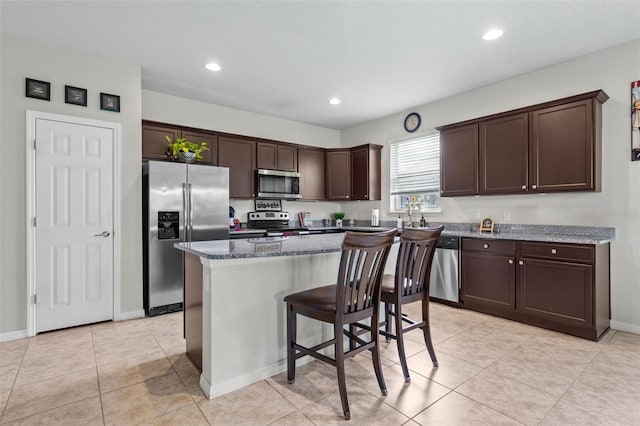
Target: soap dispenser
{"x": 399, "y": 223}
{"x": 423, "y": 223}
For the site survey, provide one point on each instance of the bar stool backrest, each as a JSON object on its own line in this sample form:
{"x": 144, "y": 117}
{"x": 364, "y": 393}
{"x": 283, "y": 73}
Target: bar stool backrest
{"x": 415, "y": 256}
{"x": 364, "y": 256}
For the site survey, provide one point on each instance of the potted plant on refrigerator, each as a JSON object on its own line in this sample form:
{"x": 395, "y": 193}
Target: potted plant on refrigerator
{"x": 181, "y": 149}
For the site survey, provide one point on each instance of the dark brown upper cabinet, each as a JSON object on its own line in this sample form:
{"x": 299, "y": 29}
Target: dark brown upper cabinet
{"x": 155, "y": 145}
{"x": 211, "y": 156}
{"x": 154, "y": 140}
{"x": 459, "y": 160}
{"x": 274, "y": 156}
{"x": 239, "y": 155}
{"x": 565, "y": 148}
{"x": 554, "y": 146}
{"x": 365, "y": 172}
{"x": 338, "y": 174}
{"x": 504, "y": 155}
{"x": 311, "y": 165}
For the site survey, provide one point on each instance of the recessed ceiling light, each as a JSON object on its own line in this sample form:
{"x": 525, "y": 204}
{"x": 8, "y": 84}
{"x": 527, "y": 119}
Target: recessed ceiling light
{"x": 493, "y": 34}
{"x": 212, "y": 66}
{"x": 335, "y": 101}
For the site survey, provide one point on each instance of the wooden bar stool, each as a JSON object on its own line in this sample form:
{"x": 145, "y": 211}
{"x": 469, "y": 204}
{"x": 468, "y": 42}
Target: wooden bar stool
{"x": 355, "y": 297}
{"x": 409, "y": 284}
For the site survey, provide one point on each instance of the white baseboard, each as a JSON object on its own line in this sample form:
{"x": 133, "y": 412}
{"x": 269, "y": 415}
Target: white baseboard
{"x": 211, "y": 391}
{"x": 13, "y": 335}
{"x": 623, "y": 326}
{"x": 123, "y": 316}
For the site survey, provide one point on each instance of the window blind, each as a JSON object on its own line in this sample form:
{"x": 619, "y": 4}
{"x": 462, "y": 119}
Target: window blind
{"x": 415, "y": 165}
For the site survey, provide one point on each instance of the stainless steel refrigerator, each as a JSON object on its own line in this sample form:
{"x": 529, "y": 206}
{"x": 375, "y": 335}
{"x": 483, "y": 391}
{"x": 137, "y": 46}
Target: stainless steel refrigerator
{"x": 181, "y": 202}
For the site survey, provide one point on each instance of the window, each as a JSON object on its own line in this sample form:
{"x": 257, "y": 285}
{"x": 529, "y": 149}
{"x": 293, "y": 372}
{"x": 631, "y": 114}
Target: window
{"x": 415, "y": 174}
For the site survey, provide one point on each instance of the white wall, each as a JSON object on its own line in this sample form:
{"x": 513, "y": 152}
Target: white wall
{"x": 20, "y": 59}
{"x": 618, "y": 205}
{"x": 171, "y": 109}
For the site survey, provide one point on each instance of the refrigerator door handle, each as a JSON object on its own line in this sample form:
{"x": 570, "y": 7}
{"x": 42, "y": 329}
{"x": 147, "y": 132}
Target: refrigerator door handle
{"x": 190, "y": 214}
{"x": 184, "y": 213}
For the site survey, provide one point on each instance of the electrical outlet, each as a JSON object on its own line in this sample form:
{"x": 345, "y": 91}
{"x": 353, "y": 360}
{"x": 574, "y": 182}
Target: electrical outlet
{"x": 506, "y": 216}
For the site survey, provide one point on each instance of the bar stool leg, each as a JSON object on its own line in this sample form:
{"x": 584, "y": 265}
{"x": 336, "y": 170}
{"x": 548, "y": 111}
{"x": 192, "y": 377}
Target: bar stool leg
{"x": 342, "y": 383}
{"x": 375, "y": 356}
{"x": 426, "y": 331}
{"x": 387, "y": 321}
{"x": 400, "y": 341}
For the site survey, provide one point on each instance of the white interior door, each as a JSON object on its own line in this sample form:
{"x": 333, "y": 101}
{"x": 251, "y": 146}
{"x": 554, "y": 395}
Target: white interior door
{"x": 74, "y": 224}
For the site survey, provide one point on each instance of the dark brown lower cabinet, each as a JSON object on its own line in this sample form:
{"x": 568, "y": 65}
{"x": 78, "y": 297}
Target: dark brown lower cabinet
{"x": 193, "y": 308}
{"x": 562, "y": 287}
{"x": 488, "y": 282}
{"x": 556, "y": 291}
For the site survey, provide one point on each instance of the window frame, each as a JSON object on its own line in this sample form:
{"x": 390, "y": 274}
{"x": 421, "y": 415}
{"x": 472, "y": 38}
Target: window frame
{"x": 394, "y": 201}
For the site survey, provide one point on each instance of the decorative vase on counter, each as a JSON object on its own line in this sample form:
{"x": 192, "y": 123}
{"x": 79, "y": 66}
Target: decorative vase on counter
{"x": 187, "y": 157}
{"x": 339, "y": 223}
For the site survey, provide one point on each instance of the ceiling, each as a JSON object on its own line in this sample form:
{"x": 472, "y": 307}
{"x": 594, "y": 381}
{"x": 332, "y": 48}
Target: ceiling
{"x": 288, "y": 58}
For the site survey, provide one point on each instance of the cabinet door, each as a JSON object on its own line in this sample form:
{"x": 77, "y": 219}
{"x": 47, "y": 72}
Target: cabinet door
{"x": 338, "y": 174}
{"x": 154, "y": 141}
{"x": 239, "y": 156}
{"x": 266, "y": 156}
{"x": 287, "y": 156}
{"x": 488, "y": 282}
{"x": 459, "y": 161}
{"x": 311, "y": 167}
{"x": 365, "y": 172}
{"x": 211, "y": 156}
{"x": 562, "y": 148}
{"x": 556, "y": 291}
{"x": 273, "y": 156}
{"x": 504, "y": 155}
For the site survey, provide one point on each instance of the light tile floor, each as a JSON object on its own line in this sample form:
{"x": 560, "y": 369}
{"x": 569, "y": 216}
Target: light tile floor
{"x": 492, "y": 372}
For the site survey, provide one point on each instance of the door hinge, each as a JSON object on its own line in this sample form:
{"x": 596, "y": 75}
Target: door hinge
{"x": 34, "y": 221}
{"x": 34, "y": 144}
{"x": 35, "y": 299}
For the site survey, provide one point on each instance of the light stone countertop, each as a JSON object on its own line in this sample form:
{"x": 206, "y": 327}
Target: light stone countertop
{"x": 332, "y": 242}
{"x": 265, "y": 246}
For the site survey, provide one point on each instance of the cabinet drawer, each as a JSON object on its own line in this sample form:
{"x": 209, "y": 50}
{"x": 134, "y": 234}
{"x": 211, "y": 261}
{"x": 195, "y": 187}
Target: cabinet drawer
{"x": 489, "y": 246}
{"x": 568, "y": 252}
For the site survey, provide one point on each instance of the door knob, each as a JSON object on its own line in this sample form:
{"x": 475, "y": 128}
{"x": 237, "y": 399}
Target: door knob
{"x": 103, "y": 234}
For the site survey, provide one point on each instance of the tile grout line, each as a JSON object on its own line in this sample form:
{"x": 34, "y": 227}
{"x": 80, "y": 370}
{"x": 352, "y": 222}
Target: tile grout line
{"x": 15, "y": 379}
{"x": 173, "y": 367}
{"x": 95, "y": 361}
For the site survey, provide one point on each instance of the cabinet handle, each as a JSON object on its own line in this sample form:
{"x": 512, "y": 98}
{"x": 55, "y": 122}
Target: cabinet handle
{"x": 553, "y": 251}
{"x": 520, "y": 263}
{"x": 510, "y": 261}
{"x": 485, "y": 246}
{"x": 524, "y": 186}
{"x": 534, "y": 186}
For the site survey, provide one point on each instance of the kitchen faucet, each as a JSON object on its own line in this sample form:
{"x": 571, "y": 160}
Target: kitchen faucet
{"x": 409, "y": 214}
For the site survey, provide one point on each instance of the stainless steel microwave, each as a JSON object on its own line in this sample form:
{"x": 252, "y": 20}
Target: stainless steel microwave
{"x": 278, "y": 184}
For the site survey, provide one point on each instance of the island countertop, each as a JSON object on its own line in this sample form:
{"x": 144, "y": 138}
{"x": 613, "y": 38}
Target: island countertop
{"x": 264, "y": 246}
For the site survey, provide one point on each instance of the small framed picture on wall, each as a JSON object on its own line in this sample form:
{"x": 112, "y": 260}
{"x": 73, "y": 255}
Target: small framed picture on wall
{"x": 38, "y": 89}
{"x": 75, "y": 95}
{"x": 109, "y": 102}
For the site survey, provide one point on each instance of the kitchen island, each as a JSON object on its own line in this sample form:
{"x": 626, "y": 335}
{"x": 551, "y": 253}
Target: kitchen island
{"x": 234, "y": 309}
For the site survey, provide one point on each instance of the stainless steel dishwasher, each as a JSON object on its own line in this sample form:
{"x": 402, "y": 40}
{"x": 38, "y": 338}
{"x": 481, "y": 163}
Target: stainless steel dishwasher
{"x": 444, "y": 285}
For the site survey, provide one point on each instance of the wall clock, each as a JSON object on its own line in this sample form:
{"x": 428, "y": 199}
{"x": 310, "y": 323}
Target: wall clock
{"x": 412, "y": 122}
